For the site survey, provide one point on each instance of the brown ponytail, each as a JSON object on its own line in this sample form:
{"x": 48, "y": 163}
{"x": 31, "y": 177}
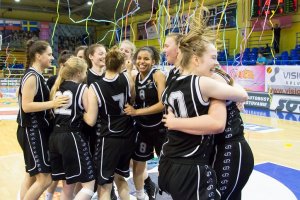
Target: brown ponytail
{"x": 33, "y": 47}
{"x": 228, "y": 78}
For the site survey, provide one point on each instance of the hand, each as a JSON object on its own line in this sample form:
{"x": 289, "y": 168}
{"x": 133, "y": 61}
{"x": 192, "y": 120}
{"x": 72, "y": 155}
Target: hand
{"x": 168, "y": 119}
{"x": 60, "y": 101}
{"x": 240, "y": 105}
{"x": 128, "y": 65}
{"x": 129, "y": 110}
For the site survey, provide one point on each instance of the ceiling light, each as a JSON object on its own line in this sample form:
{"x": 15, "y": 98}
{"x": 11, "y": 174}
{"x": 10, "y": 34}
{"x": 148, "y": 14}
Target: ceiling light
{"x": 17, "y": 0}
{"x": 89, "y": 3}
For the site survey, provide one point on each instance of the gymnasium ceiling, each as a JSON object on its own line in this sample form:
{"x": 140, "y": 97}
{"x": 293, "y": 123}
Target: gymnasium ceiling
{"x": 102, "y": 9}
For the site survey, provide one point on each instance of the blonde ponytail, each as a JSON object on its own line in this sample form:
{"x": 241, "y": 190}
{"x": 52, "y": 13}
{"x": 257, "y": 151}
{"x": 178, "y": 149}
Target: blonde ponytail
{"x": 70, "y": 68}
{"x": 59, "y": 80}
{"x": 196, "y": 41}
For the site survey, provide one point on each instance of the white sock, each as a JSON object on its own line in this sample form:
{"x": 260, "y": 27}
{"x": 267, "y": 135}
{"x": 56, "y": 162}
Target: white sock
{"x": 48, "y": 196}
{"x": 95, "y": 195}
{"x": 19, "y": 195}
{"x": 140, "y": 194}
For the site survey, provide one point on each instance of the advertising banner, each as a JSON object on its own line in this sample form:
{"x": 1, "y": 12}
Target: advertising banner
{"x": 284, "y": 79}
{"x": 262, "y": 24}
{"x": 258, "y": 100}
{"x": 252, "y": 78}
{"x": 286, "y": 103}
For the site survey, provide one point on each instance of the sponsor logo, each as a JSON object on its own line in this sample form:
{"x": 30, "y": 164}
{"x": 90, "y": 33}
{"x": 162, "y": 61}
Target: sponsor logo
{"x": 289, "y": 105}
{"x": 276, "y": 71}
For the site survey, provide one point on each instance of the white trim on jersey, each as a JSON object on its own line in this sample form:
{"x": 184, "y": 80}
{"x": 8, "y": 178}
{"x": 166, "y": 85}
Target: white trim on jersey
{"x": 75, "y": 104}
{"x": 20, "y": 107}
{"x": 137, "y": 136}
{"x": 150, "y": 72}
{"x": 153, "y": 125}
{"x": 36, "y": 71}
{"x": 181, "y": 77}
{"x": 162, "y": 147}
{"x": 103, "y": 100}
{"x": 190, "y": 154}
{"x": 111, "y": 80}
{"x": 192, "y": 93}
{"x": 80, "y": 95}
{"x": 215, "y": 156}
{"x": 198, "y": 185}
{"x": 79, "y": 163}
{"x": 99, "y": 100}
{"x": 108, "y": 117}
{"x": 239, "y": 169}
{"x": 30, "y": 150}
{"x": 143, "y": 156}
{"x": 26, "y": 77}
{"x": 199, "y": 95}
{"x": 93, "y": 72}
{"x": 123, "y": 171}
{"x": 58, "y": 174}
{"x": 43, "y": 149}
{"x": 101, "y": 162}
{"x": 45, "y": 111}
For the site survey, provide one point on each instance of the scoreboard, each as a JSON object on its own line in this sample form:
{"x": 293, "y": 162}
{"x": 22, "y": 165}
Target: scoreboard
{"x": 267, "y": 7}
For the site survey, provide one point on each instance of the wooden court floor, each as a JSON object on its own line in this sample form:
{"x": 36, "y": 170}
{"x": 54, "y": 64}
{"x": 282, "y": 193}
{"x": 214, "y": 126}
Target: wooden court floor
{"x": 280, "y": 145}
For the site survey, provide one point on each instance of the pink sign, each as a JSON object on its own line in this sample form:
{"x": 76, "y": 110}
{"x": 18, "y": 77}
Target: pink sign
{"x": 44, "y": 30}
{"x": 252, "y": 78}
{"x": 282, "y": 21}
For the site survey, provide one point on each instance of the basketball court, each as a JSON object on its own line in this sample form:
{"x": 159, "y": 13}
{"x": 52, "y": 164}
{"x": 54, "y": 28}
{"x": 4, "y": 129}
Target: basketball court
{"x": 275, "y": 143}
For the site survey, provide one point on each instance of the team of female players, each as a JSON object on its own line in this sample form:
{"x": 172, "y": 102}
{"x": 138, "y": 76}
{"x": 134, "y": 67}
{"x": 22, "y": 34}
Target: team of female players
{"x": 203, "y": 153}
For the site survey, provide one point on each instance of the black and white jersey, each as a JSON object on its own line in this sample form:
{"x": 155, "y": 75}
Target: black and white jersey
{"x": 113, "y": 95}
{"x": 92, "y": 77}
{"x": 183, "y": 95}
{"x": 51, "y": 81}
{"x": 234, "y": 128}
{"x": 71, "y": 115}
{"x": 34, "y": 119}
{"x": 146, "y": 96}
{"x": 172, "y": 75}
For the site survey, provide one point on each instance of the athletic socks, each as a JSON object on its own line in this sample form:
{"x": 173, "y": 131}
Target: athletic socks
{"x": 48, "y": 196}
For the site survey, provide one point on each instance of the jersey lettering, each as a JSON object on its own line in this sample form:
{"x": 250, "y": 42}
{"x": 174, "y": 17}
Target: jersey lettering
{"x": 120, "y": 98}
{"x": 179, "y": 98}
{"x": 65, "y": 109}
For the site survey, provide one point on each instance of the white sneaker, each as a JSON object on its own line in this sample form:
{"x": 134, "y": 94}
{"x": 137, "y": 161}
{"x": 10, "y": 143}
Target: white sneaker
{"x": 95, "y": 196}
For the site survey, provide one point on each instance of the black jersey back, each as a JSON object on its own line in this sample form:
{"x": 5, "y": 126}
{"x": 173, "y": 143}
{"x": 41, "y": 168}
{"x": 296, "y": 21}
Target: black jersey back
{"x": 92, "y": 77}
{"x": 173, "y": 74}
{"x": 234, "y": 128}
{"x": 51, "y": 80}
{"x": 71, "y": 115}
{"x": 183, "y": 95}
{"x": 146, "y": 96}
{"x": 34, "y": 119}
{"x": 113, "y": 95}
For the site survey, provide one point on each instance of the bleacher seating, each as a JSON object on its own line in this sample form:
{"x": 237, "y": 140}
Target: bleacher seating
{"x": 249, "y": 57}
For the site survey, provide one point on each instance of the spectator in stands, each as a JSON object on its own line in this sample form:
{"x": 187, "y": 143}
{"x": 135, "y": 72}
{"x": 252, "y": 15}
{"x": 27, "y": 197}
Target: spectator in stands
{"x": 267, "y": 50}
{"x": 276, "y": 31}
{"x": 261, "y": 60}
